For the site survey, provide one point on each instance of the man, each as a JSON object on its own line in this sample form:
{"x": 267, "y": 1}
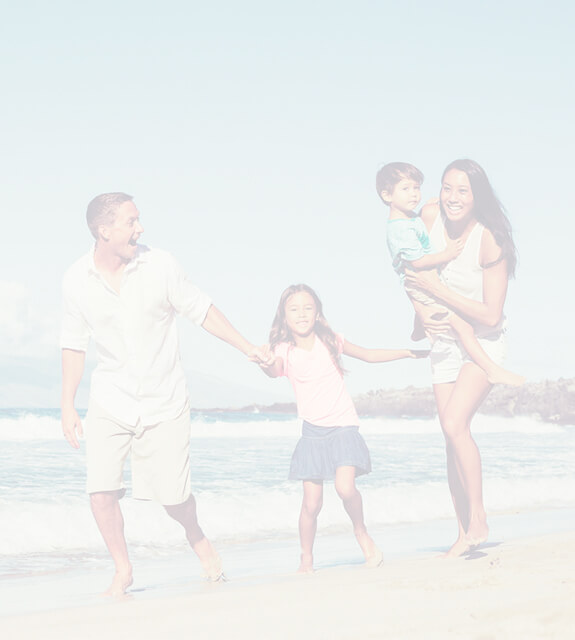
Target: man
{"x": 125, "y": 297}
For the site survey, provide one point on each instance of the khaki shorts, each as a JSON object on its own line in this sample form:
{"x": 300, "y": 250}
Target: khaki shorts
{"x": 448, "y": 356}
{"x": 420, "y": 296}
{"x": 160, "y": 456}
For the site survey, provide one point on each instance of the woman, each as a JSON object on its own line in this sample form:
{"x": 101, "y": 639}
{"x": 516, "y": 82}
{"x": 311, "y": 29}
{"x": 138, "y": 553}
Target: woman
{"x": 474, "y": 285}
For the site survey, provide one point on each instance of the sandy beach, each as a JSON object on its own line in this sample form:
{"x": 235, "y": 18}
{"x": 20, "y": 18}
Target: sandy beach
{"x": 523, "y": 588}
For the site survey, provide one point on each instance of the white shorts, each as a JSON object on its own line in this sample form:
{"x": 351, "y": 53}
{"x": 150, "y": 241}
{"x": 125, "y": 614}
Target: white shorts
{"x": 160, "y": 456}
{"x": 448, "y": 356}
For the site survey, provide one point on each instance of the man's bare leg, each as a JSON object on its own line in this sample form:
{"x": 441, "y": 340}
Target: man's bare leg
{"x": 106, "y": 509}
{"x": 186, "y": 515}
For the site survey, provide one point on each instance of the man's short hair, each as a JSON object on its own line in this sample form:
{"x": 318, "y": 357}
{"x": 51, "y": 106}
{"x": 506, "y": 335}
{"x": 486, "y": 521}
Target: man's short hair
{"x": 102, "y": 209}
{"x": 390, "y": 174}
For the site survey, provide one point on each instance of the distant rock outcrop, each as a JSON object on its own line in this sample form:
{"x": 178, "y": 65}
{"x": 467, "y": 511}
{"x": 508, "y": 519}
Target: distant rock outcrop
{"x": 551, "y": 401}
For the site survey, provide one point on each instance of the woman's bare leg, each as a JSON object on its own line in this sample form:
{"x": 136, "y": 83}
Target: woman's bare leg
{"x": 310, "y": 507}
{"x": 457, "y": 403}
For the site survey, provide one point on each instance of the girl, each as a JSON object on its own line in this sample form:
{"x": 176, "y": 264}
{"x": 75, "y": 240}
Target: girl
{"x": 306, "y": 350}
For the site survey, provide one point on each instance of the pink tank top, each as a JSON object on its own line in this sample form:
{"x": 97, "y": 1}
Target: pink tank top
{"x": 321, "y": 395}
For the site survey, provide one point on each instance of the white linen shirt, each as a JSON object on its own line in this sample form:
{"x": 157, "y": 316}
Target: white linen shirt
{"x": 139, "y": 377}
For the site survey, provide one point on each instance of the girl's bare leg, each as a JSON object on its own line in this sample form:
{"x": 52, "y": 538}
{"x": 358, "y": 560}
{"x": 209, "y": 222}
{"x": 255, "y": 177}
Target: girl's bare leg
{"x": 310, "y": 507}
{"x": 457, "y": 403}
{"x": 353, "y": 504}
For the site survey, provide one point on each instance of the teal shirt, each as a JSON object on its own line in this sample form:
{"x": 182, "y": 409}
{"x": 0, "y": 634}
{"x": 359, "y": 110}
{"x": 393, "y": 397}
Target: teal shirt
{"x": 407, "y": 240}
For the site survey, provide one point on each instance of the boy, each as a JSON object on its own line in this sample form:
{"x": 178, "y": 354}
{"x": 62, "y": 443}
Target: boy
{"x": 398, "y": 184}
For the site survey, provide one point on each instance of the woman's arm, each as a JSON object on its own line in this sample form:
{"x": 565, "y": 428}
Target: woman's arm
{"x": 380, "y": 355}
{"x": 495, "y": 280}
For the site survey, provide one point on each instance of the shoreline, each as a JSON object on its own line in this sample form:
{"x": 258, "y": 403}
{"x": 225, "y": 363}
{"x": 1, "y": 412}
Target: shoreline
{"x": 519, "y": 584}
{"x": 521, "y": 589}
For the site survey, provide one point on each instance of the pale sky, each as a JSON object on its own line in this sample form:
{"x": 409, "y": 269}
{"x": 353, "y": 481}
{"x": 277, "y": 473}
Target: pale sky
{"x": 249, "y": 135}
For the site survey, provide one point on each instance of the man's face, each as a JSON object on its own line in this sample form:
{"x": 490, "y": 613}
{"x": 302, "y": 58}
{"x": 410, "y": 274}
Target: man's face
{"x": 121, "y": 237}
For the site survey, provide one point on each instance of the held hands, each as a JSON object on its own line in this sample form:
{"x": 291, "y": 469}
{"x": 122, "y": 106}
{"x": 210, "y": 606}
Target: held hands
{"x": 263, "y": 356}
{"x": 419, "y": 353}
{"x": 72, "y": 426}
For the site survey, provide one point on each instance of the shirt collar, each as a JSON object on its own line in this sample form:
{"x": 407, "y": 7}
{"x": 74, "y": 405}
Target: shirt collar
{"x": 142, "y": 255}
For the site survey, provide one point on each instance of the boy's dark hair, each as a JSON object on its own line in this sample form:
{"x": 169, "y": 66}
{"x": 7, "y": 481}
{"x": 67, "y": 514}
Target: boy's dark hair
{"x": 390, "y": 174}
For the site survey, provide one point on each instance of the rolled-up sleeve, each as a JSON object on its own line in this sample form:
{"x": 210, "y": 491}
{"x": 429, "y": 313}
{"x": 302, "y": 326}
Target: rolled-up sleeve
{"x": 412, "y": 248}
{"x": 74, "y": 333}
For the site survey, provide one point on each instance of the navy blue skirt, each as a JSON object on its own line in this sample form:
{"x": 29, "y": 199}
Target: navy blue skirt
{"x": 321, "y": 450}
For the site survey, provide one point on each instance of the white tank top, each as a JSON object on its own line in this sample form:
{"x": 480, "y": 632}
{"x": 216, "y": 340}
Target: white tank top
{"x": 464, "y": 274}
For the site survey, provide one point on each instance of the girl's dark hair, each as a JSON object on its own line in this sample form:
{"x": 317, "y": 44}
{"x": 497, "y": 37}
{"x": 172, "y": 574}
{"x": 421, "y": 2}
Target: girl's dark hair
{"x": 488, "y": 210}
{"x": 280, "y": 332}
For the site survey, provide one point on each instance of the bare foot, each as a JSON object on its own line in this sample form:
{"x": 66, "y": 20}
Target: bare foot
{"x": 210, "y": 560}
{"x": 375, "y": 560}
{"x": 212, "y": 566}
{"x": 122, "y": 580}
{"x": 499, "y": 375}
{"x": 477, "y": 534}
{"x": 306, "y": 563}
{"x": 459, "y": 547}
{"x": 373, "y": 556}
{"x": 473, "y": 538}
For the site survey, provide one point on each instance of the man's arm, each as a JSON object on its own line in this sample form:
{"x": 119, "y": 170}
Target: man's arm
{"x": 72, "y": 370}
{"x": 218, "y": 325}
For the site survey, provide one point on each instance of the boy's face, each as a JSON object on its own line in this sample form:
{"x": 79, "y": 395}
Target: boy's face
{"x": 405, "y": 195}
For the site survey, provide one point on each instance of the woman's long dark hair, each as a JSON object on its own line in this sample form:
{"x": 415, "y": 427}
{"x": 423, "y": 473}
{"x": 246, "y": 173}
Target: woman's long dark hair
{"x": 280, "y": 332}
{"x": 488, "y": 210}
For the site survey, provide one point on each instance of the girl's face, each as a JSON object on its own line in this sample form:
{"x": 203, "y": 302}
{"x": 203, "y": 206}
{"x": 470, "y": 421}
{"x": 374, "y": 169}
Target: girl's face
{"x": 456, "y": 196}
{"x": 300, "y": 314}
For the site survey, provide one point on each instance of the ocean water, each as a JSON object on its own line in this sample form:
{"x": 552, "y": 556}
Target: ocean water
{"x": 240, "y": 463}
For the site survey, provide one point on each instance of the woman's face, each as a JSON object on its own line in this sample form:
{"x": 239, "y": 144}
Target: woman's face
{"x": 456, "y": 196}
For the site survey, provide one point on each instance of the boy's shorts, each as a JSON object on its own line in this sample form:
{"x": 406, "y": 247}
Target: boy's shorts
{"x": 420, "y": 296}
{"x": 448, "y": 356}
{"x": 160, "y": 457}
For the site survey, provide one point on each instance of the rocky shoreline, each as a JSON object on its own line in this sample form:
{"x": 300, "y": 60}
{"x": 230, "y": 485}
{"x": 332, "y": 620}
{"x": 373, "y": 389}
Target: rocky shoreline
{"x": 550, "y": 401}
